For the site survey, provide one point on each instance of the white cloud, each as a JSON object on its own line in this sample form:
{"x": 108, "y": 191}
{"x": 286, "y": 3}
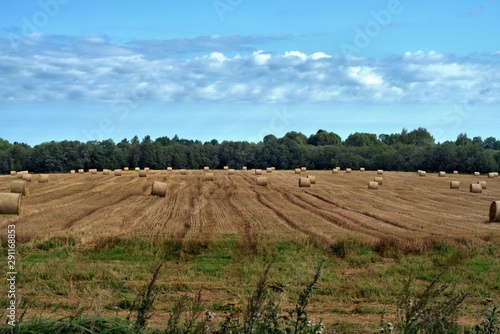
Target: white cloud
{"x": 94, "y": 69}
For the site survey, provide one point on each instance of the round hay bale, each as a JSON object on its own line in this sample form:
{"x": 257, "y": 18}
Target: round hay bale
{"x": 348, "y": 170}
{"x": 269, "y": 170}
{"x": 183, "y": 172}
{"x": 491, "y": 175}
{"x": 209, "y": 176}
{"x": 125, "y": 169}
{"x": 335, "y": 171}
{"x": 143, "y": 173}
{"x": 19, "y": 176}
{"x": 244, "y": 168}
{"x": 477, "y": 173}
{"x": 337, "y": 168}
{"x": 118, "y": 172}
{"x": 298, "y": 170}
{"x": 495, "y": 211}
{"x": 81, "y": 171}
{"x": 273, "y": 168}
{"x": 454, "y": 184}
{"x": 379, "y": 180}
{"x": 206, "y": 168}
{"x": 372, "y": 185}
{"x": 159, "y": 189}
{"x": 422, "y": 173}
{"x": 105, "y": 172}
{"x": 258, "y": 172}
{"x": 13, "y": 173}
{"x": 303, "y": 169}
{"x": 455, "y": 172}
{"x": 226, "y": 167}
{"x": 442, "y": 174}
{"x": 482, "y": 183}
{"x": 496, "y": 174}
{"x": 169, "y": 169}
{"x": 476, "y": 188}
{"x": 304, "y": 182}
{"x": 262, "y": 181}
{"x": 27, "y": 177}
{"x": 137, "y": 169}
{"x": 146, "y": 169}
{"x": 312, "y": 178}
{"x": 380, "y": 172}
{"x": 93, "y": 171}
{"x": 230, "y": 171}
{"x": 43, "y": 178}
{"x": 19, "y": 187}
{"x": 10, "y": 203}
{"x": 72, "y": 171}
{"x": 362, "y": 169}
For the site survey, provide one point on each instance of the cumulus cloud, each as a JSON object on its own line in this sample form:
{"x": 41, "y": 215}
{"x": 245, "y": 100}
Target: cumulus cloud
{"x": 227, "y": 69}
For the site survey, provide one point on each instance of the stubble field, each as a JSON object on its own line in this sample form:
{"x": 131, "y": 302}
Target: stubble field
{"x": 87, "y": 240}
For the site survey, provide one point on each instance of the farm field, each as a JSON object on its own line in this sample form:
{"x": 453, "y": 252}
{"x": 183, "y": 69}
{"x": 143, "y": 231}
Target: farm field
{"x": 87, "y": 240}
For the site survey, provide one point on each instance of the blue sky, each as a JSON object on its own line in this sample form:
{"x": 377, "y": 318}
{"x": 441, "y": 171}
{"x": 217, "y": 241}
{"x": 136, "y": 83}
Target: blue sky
{"x": 241, "y": 69}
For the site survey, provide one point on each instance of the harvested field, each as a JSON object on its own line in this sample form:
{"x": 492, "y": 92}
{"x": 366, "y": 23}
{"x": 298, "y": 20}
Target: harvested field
{"x": 408, "y": 210}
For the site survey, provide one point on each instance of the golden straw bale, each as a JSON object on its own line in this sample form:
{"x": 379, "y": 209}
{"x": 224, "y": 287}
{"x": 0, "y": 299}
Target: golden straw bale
{"x": 146, "y": 169}
{"x": 297, "y": 171}
{"x": 454, "y": 184}
{"x": 183, "y": 171}
{"x": 304, "y": 182}
{"x": 72, "y": 171}
{"x": 380, "y": 172}
{"x": 422, "y": 173}
{"x": 348, "y": 170}
{"x": 159, "y": 189}
{"x": 13, "y": 173}
{"x": 19, "y": 187}
{"x": 269, "y": 170}
{"x": 303, "y": 169}
{"x": 477, "y": 174}
{"x": 335, "y": 171}
{"x": 226, "y": 168}
{"x": 244, "y": 168}
{"x": 81, "y": 171}
{"x": 105, "y": 172}
{"x": 476, "y": 188}
{"x": 455, "y": 172}
{"x": 169, "y": 169}
{"x": 118, "y": 172}
{"x": 137, "y": 169}
{"x": 372, "y": 185}
{"x": 379, "y": 180}
{"x": 43, "y": 178}
{"x": 125, "y": 169}
{"x": 230, "y": 171}
{"x": 362, "y": 169}
{"x": 143, "y": 173}
{"x": 209, "y": 176}
{"x": 442, "y": 174}
{"x": 27, "y": 177}
{"x": 206, "y": 168}
{"x": 261, "y": 181}
{"x": 312, "y": 178}
{"x": 482, "y": 183}
{"x": 495, "y": 211}
{"x": 10, "y": 204}
{"x": 491, "y": 175}
{"x": 258, "y": 172}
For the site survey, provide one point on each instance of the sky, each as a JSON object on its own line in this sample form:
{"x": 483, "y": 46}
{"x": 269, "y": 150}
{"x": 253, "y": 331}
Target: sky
{"x": 242, "y": 69}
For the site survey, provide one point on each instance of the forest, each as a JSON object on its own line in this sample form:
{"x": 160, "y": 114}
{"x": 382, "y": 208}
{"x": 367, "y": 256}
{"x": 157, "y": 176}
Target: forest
{"x": 405, "y": 151}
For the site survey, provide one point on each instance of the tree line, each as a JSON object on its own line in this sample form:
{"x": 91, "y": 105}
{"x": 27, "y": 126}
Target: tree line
{"x": 405, "y": 151}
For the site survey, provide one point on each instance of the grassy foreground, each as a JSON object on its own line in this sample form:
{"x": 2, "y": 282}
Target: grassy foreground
{"x": 68, "y": 287}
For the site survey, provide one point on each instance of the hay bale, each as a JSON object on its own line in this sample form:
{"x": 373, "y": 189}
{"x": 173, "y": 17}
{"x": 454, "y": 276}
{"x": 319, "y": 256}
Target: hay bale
{"x": 72, "y": 171}
{"x": 379, "y": 180}
{"x": 495, "y": 211}
{"x": 118, "y": 172}
{"x": 183, "y": 171}
{"x": 362, "y": 169}
{"x": 258, "y": 172}
{"x": 335, "y": 171}
{"x": 137, "y": 169}
{"x": 477, "y": 173}
{"x": 372, "y": 185}
{"x": 93, "y": 171}
{"x": 422, "y": 173}
{"x": 146, "y": 169}
{"x": 81, "y": 171}
{"x": 159, "y": 189}
{"x": 244, "y": 168}
{"x": 230, "y": 171}
{"x": 298, "y": 170}
{"x": 43, "y": 178}
{"x": 348, "y": 170}
{"x": 312, "y": 178}
{"x": 476, "y": 188}
{"x": 206, "y": 168}
{"x": 226, "y": 168}
{"x": 269, "y": 170}
{"x": 143, "y": 173}
{"x": 10, "y": 203}
{"x": 337, "y": 168}
{"x": 209, "y": 176}
{"x": 491, "y": 175}
{"x": 27, "y": 177}
{"x": 304, "y": 182}
{"x": 380, "y": 172}
{"x": 454, "y": 184}
{"x": 442, "y": 174}
{"x": 13, "y": 173}
{"x": 273, "y": 168}
{"x": 303, "y": 169}
{"x": 125, "y": 169}
{"x": 482, "y": 183}
{"x": 261, "y": 181}
{"x": 496, "y": 174}
{"x": 105, "y": 172}
{"x": 455, "y": 172}
{"x": 169, "y": 169}
{"x": 19, "y": 187}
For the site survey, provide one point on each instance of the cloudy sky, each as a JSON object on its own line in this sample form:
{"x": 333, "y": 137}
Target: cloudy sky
{"x": 242, "y": 69}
